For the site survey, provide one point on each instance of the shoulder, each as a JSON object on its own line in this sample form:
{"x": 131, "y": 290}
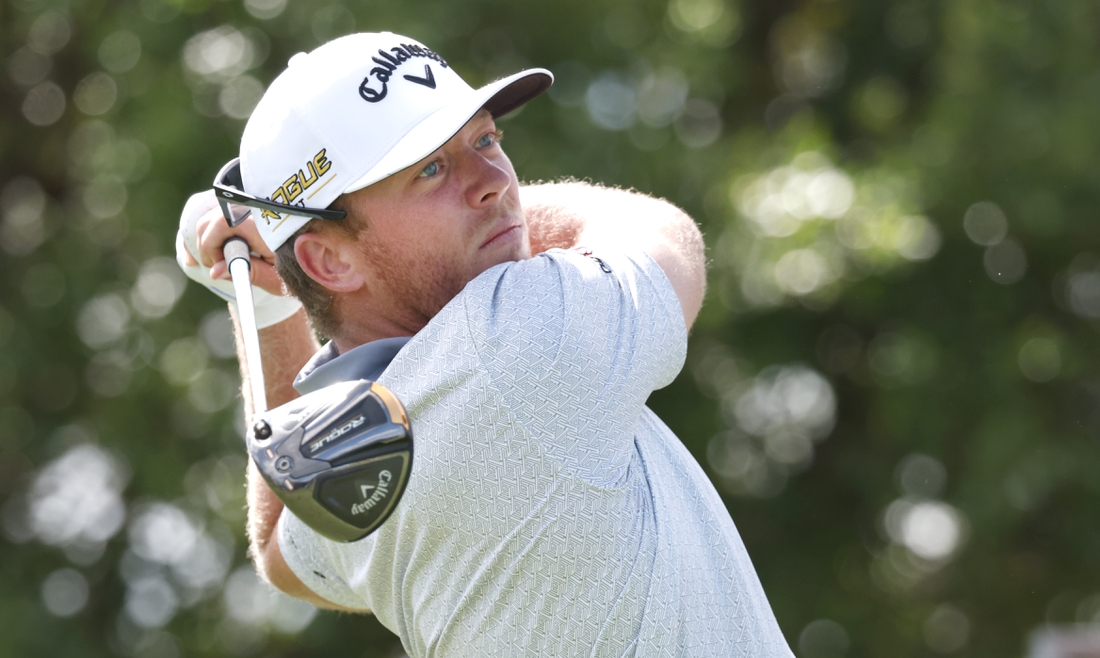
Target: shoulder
{"x": 561, "y": 268}
{"x": 558, "y": 284}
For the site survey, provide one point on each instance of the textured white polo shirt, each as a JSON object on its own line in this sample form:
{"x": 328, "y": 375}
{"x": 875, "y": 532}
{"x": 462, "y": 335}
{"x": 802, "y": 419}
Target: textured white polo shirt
{"x": 549, "y": 512}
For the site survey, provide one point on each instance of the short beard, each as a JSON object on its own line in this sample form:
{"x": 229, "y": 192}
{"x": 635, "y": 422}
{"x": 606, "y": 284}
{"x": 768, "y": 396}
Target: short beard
{"x": 420, "y": 289}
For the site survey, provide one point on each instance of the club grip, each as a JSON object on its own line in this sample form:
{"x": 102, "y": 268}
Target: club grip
{"x": 235, "y": 248}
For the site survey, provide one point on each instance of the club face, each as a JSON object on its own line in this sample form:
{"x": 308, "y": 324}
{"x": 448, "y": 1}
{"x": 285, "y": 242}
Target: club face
{"x": 339, "y": 458}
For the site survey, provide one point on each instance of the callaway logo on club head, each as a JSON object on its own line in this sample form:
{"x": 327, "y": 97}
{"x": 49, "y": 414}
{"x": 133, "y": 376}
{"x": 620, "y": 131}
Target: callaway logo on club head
{"x": 373, "y": 495}
{"x": 388, "y": 61}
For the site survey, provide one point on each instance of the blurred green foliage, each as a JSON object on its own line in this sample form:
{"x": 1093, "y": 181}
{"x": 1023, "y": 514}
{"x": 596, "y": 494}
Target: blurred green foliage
{"x": 893, "y": 382}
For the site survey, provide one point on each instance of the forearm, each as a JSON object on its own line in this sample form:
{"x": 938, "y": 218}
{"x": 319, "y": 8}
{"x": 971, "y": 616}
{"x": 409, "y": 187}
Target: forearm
{"x": 264, "y": 508}
{"x": 286, "y": 344}
{"x": 285, "y": 347}
{"x": 565, "y": 215}
{"x": 552, "y": 223}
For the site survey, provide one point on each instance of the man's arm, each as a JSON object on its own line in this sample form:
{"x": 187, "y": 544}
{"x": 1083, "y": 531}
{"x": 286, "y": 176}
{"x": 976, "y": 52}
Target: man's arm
{"x": 570, "y": 214}
{"x": 285, "y": 347}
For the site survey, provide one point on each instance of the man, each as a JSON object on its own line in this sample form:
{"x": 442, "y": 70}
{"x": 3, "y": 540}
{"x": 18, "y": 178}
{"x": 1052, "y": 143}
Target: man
{"x": 548, "y": 511}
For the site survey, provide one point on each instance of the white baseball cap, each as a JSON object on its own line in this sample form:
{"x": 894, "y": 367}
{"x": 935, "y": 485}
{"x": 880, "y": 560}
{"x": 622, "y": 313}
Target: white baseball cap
{"x": 352, "y": 112}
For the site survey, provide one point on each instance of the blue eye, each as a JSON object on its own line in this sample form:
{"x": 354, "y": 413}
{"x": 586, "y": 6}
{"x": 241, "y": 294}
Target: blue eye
{"x": 488, "y": 139}
{"x": 430, "y": 170}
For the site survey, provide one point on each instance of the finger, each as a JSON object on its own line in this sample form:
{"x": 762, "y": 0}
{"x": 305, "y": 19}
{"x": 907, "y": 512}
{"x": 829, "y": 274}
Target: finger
{"x": 265, "y": 276}
{"x": 262, "y": 274}
{"x": 220, "y": 270}
{"x": 251, "y": 234}
{"x": 213, "y": 231}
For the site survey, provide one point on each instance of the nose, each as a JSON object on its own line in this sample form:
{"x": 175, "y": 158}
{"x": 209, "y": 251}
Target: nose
{"x": 489, "y": 178}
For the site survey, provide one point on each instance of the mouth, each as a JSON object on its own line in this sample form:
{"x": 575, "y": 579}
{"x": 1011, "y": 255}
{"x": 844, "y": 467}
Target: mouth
{"x": 503, "y": 235}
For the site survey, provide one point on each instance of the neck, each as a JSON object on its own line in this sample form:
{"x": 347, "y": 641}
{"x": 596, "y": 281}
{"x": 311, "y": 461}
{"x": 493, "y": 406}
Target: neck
{"x": 363, "y": 323}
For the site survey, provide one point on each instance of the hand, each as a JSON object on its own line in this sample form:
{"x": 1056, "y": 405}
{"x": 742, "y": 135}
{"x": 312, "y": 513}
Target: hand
{"x": 203, "y": 230}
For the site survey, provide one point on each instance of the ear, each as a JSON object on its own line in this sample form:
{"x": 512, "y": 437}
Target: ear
{"x": 329, "y": 261}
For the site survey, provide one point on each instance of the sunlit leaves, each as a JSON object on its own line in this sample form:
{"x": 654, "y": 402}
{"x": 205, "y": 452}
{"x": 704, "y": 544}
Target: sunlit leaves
{"x": 893, "y": 378}
{"x": 807, "y": 227}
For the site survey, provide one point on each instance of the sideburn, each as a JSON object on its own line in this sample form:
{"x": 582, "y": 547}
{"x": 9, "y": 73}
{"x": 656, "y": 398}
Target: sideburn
{"x": 316, "y": 299}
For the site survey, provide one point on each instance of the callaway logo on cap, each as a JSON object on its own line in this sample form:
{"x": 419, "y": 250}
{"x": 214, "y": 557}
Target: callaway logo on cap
{"x": 353, "y": 112}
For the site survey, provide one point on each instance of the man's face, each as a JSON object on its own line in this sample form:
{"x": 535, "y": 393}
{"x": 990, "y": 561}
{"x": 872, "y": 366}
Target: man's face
{"x": 434, "y": 226}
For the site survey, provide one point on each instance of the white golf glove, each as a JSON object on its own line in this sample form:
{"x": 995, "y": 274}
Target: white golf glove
{"x": 270, "y": 309}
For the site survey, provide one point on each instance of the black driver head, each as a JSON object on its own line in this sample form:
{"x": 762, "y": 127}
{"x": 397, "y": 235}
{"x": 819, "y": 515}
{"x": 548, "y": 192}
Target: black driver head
{"x": 339, "y": 458}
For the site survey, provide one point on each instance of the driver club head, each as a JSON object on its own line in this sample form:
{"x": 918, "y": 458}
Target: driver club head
{"x": 339, "y": 458}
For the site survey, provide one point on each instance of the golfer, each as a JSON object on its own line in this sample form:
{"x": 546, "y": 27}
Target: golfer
{"x": 548, "y": 511}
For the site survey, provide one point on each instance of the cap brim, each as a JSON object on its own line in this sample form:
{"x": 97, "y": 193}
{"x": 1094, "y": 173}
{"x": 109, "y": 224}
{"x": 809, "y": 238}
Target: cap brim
{"x": 499, "y": 98}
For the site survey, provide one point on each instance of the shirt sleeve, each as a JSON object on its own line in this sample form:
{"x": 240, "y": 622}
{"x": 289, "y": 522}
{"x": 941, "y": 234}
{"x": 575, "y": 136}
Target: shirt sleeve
{"x": 310, "y": 557}
{"x": 576, "y": 343}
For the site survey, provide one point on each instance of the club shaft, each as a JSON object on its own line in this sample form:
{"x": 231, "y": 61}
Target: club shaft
{"x": 237, "y": 254}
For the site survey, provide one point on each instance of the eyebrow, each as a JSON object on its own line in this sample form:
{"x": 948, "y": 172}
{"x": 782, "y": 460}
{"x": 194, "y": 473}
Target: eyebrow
{"x": 483, "y": 116}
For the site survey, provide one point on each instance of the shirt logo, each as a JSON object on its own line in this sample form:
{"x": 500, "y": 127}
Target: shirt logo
{"x": 375, "y": 86}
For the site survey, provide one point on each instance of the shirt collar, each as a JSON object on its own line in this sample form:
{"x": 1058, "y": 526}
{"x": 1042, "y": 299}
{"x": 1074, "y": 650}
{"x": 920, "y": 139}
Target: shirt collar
{"x": 367, "y": 361}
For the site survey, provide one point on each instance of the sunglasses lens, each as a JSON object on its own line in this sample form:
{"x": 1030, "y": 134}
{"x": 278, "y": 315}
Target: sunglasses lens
{"x": 235, "y": 213}
{"x": 239, "y": 213}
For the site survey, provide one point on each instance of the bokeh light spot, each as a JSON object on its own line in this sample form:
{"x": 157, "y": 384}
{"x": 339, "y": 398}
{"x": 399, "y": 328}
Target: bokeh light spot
{"x": 76, "y": 498}
{"x": 120, "y": 51}
{"x": 183, "y": 360}
{"x": 611, "y": 102}
{"x": 102, "y": 320}
{"x": 947, "y": 629}
{"x": 50, "y": 32}
{"x": 1005, "y": 262}
{"x": 1040, "y": 359}
{"x": 151, "y": 602}
{"x": 931, "y": 530}
{"x": 699, "y": 124}
{"x": 28, "y": 67}
{"x": 265, "y": 9}
{"x": 159, "y": 285}
{"x": 22, "y": 224}
{"x": 985, "y": 223}
{"x": 44, "y": 104}
{"x": 96, "y": 94}
{"x": 239, "y": 96}
{"x": 65, "y": 592}
{"x": 921, "y": 476}
{"x": 823, "y": 638}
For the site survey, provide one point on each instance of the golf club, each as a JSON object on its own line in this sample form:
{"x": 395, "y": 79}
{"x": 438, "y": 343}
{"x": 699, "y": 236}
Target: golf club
{"x": 339, "y": 458}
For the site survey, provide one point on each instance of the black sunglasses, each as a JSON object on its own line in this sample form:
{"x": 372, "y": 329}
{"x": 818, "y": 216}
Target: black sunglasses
{"x": 237, "y": 204}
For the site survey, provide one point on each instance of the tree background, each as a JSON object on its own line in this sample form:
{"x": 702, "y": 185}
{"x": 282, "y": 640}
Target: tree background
{"x": 893, "y": 382}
